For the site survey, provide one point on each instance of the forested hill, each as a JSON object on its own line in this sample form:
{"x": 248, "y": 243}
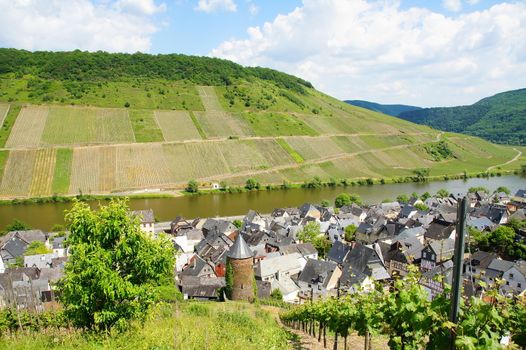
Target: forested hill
{"x": 92, "y": 66}
{"x": 393, "y": 110}
{"x": 500, "y": 118}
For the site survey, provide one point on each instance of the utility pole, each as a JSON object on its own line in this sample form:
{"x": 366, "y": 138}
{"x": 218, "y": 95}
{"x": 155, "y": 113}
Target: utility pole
{"x": 462, "y": 210}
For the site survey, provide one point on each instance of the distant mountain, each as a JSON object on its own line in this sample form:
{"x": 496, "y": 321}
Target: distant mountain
{"x": 393, "y": 110}
{"x": 500, "y": 118}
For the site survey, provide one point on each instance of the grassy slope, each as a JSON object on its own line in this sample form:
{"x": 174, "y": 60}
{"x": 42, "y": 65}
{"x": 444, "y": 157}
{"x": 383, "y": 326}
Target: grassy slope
{"x": 316, "y": 134}
{"x": 189, "y": 326}
{"x": 499, "y": 118}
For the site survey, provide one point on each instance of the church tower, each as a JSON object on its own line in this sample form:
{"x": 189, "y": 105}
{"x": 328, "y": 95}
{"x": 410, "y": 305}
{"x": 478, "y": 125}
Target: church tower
{"x": 240, "y": 258}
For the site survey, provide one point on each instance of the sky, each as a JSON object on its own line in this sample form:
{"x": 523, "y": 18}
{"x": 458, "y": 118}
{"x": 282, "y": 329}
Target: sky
{"x": 423, "y": 53}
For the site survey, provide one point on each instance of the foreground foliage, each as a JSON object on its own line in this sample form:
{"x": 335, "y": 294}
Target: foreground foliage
{"x": 411, "y": 321}
{"x": 114, "y": 268}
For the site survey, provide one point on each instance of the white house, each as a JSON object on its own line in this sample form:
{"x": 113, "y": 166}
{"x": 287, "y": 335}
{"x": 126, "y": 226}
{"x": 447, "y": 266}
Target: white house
{"x": 515, "y": 278}
{"x": 147, "y": 218}
{"x": 284, "y": 265}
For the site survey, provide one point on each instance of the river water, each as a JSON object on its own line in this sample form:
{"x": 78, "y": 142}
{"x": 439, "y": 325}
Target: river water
{"x": 44, "y": 216}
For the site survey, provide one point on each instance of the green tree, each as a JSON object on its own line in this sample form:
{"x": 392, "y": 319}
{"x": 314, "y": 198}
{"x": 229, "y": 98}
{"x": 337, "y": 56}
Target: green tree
{"x": 37, "y": 247}
{"x": 310, "y": 232}
{"x": 17, "y": 225}
{"x": 114, "y": 270}
{"x": 421, "y": 174}
{"x": 192, "y": 187}
{"x": 503, "y": 189}
{"x": 322, "y": 245}
{"x": 325, "y": 203}
{"x": 403, "y": 198}
{"x": 350, "y": 232}
{"x": 252, "y": 184}
{"x": 237, "y": 223}
{"x": 347, "y": 199}
{"x": 229, "y": 279}
{"x": 477, "y": 189}
{"x": 425, "y": 196}
{"x": 421, "y": 207}
{"x": 276, "y": 295}
{"x": 442, "y": 193}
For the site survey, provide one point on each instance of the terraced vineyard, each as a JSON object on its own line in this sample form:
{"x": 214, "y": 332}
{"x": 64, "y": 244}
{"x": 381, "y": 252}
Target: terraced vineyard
{"x": 257, "y": 130}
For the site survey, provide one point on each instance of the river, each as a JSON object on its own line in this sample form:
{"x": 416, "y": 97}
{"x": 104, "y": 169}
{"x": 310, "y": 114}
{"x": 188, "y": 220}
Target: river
{"x": 44, "y": 216}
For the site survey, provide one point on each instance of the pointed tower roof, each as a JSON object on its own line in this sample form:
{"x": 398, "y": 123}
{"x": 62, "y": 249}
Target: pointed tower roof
{"x": 240, "y": 249}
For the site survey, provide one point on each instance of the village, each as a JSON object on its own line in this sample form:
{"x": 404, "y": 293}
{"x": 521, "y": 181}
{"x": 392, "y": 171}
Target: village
{"x": 299, "y": 254}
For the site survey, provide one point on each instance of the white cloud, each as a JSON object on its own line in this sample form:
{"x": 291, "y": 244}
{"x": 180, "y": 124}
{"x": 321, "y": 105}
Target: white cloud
{"x": 253, "y": 9}
{"x": 473, "y": 2}
{"x": 216, "y": 5}
{"x": 72, "y": 24}
{"x": 374, "y": 50}
{"x": 452, "y": 5}
{"x": 147, "y": 7}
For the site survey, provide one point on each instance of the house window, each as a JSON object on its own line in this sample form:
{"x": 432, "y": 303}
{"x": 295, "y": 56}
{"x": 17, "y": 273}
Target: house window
{"x": 511, "y": 276}
{"x": 507, "y": 283}
{"x": 519, "y": 285}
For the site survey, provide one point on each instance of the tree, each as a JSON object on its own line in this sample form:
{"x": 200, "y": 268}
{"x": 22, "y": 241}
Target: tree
{"x": 347, "y": 199}
{"x": 403, "y": 198}
{"x": 252, "y": 184}
{"x": 126, "y": 104}
{"x": 442, "y": 193}
{"x": 325, "y": 203}
{"x": 350, "y": 233}
{"x": 421, "y": 207}
{"x": 237, "y": 223}
{"x": 477, "y": 189}
{"x": 114, "y": 270}
{"x": 276, "y": 295}
{"x": 17, "y": 225}
{"x": 425, "y": 196}
{"x": 503, "y": 189}
{"x": 229, "y": 280}
{"x": 192, "y": 187}
{"x": 322, "y": 245}
{"x": 37, "y": 247}
{"x": 309, "y": 233}
{"x": 421, "y": 174}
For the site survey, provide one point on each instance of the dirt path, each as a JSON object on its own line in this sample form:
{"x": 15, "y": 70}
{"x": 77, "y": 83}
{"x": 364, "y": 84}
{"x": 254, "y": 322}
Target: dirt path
{"x": 519, "y": 153}
{"x": 304, "y": 341}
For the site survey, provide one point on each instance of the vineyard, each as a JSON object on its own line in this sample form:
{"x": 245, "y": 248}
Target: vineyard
{"x": 410, "y": 320}
{"x": 244, "y": 132}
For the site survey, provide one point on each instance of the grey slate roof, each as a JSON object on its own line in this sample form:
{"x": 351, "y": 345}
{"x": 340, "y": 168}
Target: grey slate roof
{"x": 146, "y": 216}
{"x": 240, "y": 249}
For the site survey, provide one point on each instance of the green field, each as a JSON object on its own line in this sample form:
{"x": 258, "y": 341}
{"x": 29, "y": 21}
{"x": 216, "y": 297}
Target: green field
{"x": 62, "y": 174}
{"x": 144, "y": 126}
{"x": 188, "y": 326}
{"x": 176, "y": 125}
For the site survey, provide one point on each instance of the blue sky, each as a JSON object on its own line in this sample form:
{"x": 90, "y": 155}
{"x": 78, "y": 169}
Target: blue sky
{"x": 426, "y": 53}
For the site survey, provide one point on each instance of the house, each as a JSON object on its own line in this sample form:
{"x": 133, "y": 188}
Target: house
{"x": 15, "y": 243}
{"x": 2, "y": 265}
{"x": 59, "y": 247}
{"x": 496, "y": 269}
{"x": 217, "y": 226}
{"x": 198, "y": 267}
{"x": 319, "y": 277}
{"x": 338, "y": 252}
{"x": 436, "y": 252}
{"x": 475, "y": 267}
{"x": 520, "y": 196}
{"x": 481, "y": 223}
{"x": 401, "y": 253}
{"x": 147, "y": 220}
{"x": 439, "y": 230}
{"x": 434, "y": 280}
{"x": 282, "y": 265}
{"x": 408, "y": 211}
{"x": 306, "y": 250}
{"x": 288, "y": 288}
{"x": 515, "y": 278}
{"x": 361, "y": 267}
{"x": 40, "y": 261}
{"x": 198, "y": 288}
{"x": 309, "y": 211}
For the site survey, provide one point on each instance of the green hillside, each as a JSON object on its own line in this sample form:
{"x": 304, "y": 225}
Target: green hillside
{"x": 100, "y": 123}
{"x": 393, "y": 110}
{"x": 500, "y": 118}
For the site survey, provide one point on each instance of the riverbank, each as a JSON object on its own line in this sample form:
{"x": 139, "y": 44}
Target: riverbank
{"x": 314, "y": 183}
{"x": 45, "y": 215}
